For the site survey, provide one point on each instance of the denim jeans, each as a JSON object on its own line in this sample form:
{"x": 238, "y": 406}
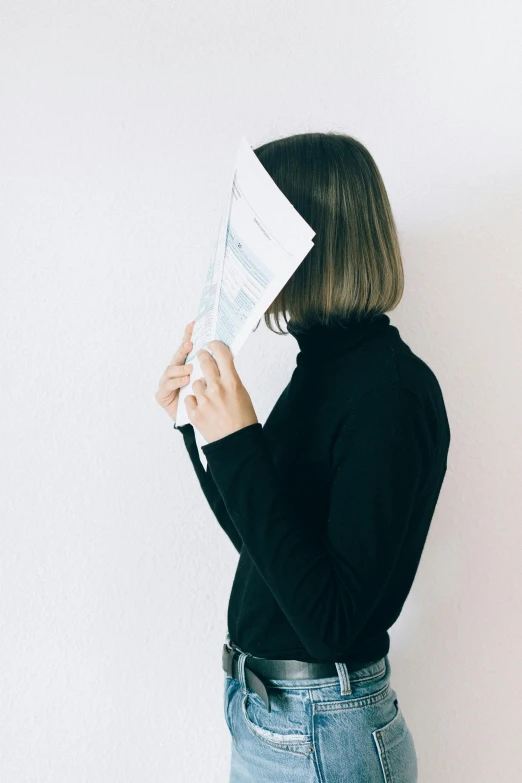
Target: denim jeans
{"x": 343, "y": 729}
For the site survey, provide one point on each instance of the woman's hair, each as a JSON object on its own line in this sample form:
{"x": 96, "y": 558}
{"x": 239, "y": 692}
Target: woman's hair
{"x": 355, "y": 268}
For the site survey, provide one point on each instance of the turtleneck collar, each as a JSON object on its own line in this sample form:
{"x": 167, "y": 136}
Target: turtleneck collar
{"x": 319, "y": 340}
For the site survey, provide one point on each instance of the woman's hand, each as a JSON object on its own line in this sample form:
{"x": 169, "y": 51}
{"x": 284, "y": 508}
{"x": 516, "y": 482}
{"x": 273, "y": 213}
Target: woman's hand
{"x": 176, "y": 375}
{"x": 220, "y": 404}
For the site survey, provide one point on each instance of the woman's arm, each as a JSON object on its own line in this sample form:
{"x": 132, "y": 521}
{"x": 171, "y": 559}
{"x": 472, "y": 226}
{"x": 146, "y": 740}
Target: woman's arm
{"x": 327, "y": 587}
{"x": 208, "y": 486}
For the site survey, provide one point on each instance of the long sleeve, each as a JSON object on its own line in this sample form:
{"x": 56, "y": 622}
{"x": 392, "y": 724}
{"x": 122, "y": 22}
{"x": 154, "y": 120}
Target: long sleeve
{"x": 208, "y": 486}
{"x": 327, "y": 585}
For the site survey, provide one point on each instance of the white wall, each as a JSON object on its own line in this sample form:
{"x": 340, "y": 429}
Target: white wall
{"x": 119, "y": 125}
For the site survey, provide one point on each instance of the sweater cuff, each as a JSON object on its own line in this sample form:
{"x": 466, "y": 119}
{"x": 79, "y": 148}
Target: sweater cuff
{"x": 249, "y": 436}
{"x": 182, "y": 427}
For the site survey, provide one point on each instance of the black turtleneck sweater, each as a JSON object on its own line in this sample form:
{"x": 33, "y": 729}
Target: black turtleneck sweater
{"x": 330, "y": 502}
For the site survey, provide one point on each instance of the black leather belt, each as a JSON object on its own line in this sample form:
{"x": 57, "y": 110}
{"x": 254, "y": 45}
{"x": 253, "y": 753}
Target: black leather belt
{"x": 272, "y": 669}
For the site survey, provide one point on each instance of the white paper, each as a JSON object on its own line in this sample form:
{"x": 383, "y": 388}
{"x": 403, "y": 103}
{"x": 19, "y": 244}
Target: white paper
{"x": 262, "y": 239}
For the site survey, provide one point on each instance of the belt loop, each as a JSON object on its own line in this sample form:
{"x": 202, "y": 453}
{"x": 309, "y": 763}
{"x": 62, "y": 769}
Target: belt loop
{"x": 344, "y": 679}
{"x": 241, "y": 670}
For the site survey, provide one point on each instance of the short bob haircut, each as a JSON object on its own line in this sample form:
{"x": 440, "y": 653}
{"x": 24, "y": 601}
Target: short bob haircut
{"x": 354, "y": 271}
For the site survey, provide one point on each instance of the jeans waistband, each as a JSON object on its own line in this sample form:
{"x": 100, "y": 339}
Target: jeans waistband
{"x": 279, "y": 669}
{"x": 251, "y": 670}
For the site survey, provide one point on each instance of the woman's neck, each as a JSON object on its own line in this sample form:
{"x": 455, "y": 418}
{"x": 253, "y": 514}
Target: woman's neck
{"x": 319, "y": 339}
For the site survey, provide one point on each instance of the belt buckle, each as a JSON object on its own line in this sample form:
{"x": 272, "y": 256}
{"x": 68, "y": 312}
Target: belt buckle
{"x": 257, "y": 685}
{"x": 227, "y": 658}
{"x": 251, "y": 679}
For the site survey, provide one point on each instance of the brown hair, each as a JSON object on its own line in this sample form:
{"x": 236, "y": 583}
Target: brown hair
{"x": 355, "y": 268}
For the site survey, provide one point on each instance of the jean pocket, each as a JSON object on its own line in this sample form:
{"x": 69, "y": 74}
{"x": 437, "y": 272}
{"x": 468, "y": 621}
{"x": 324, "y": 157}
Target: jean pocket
{"x": 396, "y": 750}
{"x": 274, "y": 728}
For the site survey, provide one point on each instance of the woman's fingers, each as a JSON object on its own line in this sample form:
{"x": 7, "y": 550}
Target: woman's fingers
{"x": 183, "y": 350}
{"x": 189, "y": 328}
{"x": 175, "y": 372}
{"x": 176, "y": 383}
{"x": 176, "y": 375}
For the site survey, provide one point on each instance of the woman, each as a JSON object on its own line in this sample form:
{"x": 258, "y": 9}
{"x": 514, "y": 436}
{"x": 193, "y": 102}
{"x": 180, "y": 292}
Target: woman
{"x": 329, "y": 503}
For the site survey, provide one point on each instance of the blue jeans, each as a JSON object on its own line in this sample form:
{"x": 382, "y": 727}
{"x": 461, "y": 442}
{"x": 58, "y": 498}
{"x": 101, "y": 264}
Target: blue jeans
{"x": 344, "y": 729}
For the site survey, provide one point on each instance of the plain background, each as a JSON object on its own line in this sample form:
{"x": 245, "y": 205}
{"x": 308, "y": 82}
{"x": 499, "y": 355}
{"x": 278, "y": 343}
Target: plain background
{"x": 119, "y": 125}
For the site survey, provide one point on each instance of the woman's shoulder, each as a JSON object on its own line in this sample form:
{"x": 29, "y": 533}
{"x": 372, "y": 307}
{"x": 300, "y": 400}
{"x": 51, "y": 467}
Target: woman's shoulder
{"x": 391, "y": 380}
{"x": 387, "y": 367}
